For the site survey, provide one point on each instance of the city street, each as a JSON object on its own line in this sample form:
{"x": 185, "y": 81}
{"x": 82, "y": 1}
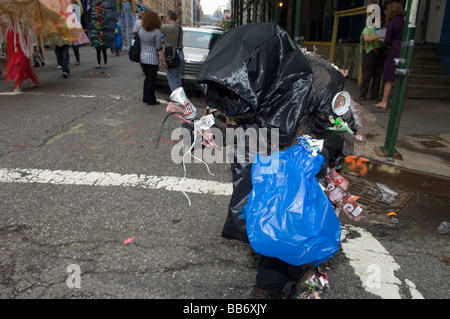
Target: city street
{"x": 91, "y": 209}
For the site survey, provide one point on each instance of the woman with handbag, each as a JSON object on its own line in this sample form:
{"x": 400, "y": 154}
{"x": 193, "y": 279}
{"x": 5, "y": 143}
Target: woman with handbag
{"x": 173, "y": 45}
{"x": 151, "y": 53}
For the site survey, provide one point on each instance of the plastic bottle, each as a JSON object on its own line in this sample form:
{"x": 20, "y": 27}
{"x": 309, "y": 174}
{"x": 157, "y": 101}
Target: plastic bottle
{"x": 444, "y": 228}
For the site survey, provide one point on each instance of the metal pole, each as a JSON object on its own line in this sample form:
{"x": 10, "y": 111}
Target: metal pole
{"x": 402, "y": 74}
{"x": 425, "y": 21}
{"x": 255, "y": 11}
{"x": 263, "y": 11}
{"x": 277, "y": 18}
{"x": 241, "y": 12}
{"x": 298, "y": 20}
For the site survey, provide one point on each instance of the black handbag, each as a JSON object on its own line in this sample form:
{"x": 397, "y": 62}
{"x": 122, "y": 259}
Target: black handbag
{"x": 134, "y": 53}
{"x": 171, "y": 57}
{"x": 171, "y": 54}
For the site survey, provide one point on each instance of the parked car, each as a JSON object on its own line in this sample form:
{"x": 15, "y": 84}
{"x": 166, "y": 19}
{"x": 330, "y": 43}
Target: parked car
{"x": 197, "y": 42}
{"x": 212, "y": 27}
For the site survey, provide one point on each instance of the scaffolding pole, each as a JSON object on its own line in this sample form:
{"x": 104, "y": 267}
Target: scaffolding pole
{"x": 402, "y": 73}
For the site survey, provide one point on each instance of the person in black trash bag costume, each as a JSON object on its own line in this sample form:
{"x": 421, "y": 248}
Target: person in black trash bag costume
{"x": 258, "y": 74}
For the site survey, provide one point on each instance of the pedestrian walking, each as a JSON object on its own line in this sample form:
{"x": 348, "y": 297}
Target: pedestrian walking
{"x": 118, "y": 40}
{"x": 80, "y": 41}
{"x": 62, "y": 52}
{"x": 173, "y": 37}
{"x": 151, "y": 54}
{"x": 395, "y": 19}
{"x": 102, "y": 28}
{"x": 18, "y": 64}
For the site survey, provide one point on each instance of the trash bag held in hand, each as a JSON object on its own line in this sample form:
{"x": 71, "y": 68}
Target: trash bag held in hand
{"x": 288, "y": 215}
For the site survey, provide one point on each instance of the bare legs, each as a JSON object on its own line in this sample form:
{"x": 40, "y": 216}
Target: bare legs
{"x": 388, "y": 85}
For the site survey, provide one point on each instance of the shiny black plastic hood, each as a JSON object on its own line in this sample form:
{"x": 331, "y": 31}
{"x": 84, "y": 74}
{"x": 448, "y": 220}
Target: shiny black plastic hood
{"x": 257, "y": 72}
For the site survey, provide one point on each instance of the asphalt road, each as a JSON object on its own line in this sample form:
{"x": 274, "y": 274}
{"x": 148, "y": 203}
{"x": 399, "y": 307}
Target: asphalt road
{"x": 64, "y": 239}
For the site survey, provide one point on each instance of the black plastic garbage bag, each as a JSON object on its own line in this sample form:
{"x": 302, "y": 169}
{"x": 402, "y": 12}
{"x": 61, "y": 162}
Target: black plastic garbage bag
{"x": 257, "y": 71}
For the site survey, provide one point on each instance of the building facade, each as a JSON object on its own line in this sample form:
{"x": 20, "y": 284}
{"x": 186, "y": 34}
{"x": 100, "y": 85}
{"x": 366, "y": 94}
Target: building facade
{"x": 313, "y": 23}
{"x": 189, "y": 11}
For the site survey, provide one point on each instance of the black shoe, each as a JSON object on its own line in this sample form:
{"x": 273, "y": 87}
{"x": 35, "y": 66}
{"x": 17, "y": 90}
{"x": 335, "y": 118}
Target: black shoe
{"x": 65, "y": 75}
{"x": 156, "y": 103}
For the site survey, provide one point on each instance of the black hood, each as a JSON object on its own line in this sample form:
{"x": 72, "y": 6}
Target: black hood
{"x": 256, "y": 71}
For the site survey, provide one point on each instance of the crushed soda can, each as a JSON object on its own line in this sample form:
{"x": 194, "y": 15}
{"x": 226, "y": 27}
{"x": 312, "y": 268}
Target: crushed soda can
{"x": 337, "y": 192}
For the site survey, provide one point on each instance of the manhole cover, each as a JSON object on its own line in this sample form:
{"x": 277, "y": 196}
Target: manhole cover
{"x": 376, "y": 199}
{"x": 432, "y": 144}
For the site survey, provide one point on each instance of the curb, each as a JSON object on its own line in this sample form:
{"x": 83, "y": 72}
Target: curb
{"x": 398, "y": 176}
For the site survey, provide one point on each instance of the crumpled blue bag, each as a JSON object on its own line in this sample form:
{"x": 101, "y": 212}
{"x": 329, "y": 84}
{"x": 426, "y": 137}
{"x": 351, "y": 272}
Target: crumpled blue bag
{"x": 288, "y": 215}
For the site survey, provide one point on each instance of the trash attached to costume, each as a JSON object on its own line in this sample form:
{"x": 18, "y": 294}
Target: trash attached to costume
{"x": 269, "y": 83}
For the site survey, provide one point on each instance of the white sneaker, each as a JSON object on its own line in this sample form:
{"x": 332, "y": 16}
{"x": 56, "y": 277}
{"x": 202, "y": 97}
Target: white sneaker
{"x": 59, "y": 67}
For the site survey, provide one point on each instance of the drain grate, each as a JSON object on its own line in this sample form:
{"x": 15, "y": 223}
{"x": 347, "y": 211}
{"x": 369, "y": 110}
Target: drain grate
{"x": 376, "y": 199}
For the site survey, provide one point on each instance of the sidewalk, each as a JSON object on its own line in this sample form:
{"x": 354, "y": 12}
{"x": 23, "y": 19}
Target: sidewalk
{"x": 423, "y": 142}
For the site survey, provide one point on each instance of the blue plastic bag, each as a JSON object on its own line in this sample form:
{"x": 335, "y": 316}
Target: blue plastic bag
{"x": 288, "y": 215}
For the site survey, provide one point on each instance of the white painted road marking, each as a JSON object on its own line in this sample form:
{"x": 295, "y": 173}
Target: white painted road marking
{"x": 371, "y": 261}
{"x": 367, "y": 256}
{"x": 66, "y": 177}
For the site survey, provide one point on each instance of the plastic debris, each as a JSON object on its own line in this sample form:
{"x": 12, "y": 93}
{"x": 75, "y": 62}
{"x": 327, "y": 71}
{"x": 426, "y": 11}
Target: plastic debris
{"x": 339, "y": 125}
{"x": 364, "y": 120}
{"x": 341, "y": 103}
{"x": 392, "y": 219}
{"x": 312, "y": 285}
{"x": 387, "y": 195}
{"x": 127, "y": 241}
{"x": 444, "y": 228}
{"x": 311, "y": 145}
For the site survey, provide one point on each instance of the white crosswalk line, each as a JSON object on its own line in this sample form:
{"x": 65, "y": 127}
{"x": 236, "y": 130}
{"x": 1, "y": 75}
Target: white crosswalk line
{"x": 370, "y": 260}
{"x": 373, "y": 264}
{"x": 67, "y": 177}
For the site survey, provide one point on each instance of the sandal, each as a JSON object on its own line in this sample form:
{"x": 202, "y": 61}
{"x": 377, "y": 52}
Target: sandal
{"x": 377, "y": 99}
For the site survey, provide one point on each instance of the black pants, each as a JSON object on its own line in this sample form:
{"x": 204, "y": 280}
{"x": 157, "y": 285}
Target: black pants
{"x": 105, "y": 55}
{"x": 150, "y": 71}
{"x": 62, "y": 56}
{"x": 272, "y": 275}
{"x": 76, "y": 52}
{"x": 372, "y": 64}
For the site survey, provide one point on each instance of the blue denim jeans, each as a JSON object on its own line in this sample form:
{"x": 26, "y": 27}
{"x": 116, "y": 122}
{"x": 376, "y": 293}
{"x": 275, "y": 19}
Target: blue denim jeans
{"x": 174, "y": 74}
{"x": 62, "y": 54}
